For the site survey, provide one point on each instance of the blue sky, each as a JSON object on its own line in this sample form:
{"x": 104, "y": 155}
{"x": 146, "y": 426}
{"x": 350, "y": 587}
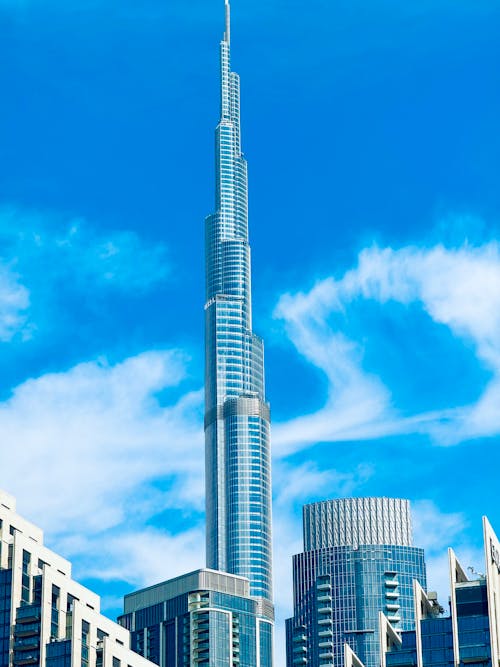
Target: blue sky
{"x": 371, "y": 131}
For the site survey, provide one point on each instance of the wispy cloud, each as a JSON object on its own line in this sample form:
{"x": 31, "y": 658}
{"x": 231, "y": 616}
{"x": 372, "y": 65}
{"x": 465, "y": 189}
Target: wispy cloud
{"x": 14, "y": 302}
{"x": 458, "y": 288}
{"x": 102, "y": 438}
{"x": 300, "y": 483}
{"x": 141, "y": 557}
{"x": 435, "y": 531}
{"x": 61, "y": 249}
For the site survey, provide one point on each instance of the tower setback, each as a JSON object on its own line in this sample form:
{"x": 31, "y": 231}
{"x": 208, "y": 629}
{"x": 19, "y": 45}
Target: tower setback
{"x": 237, "y": 417}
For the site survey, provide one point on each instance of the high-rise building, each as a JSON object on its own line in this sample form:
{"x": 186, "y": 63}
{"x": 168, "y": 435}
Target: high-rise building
{"x": 237, "y": 445}
{"x": 202, "y": 618}
{"x": 466, "y": 634}
{"x": 223, "y": 615}
{"x": 47, "y": 618}
{"x": 359, "y": 560}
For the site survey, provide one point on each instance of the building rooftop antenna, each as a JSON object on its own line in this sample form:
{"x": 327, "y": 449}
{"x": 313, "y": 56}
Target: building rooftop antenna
{"x": 227, "y": 34}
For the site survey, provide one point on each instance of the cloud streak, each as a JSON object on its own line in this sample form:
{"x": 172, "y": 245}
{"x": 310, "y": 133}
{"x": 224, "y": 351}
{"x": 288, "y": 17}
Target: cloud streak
{"x": 57, "y": 249}
{"x": 14, "y": 303}
{"x": 458, "y": 288}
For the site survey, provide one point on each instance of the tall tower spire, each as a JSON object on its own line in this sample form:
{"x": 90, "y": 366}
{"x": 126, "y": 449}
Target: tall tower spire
{"x": 237, "y": 417}
{"x": 227, "y": 34}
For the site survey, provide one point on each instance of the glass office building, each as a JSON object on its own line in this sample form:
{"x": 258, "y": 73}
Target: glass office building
{"x": 237, "y": 445}
{"x": 359, "y": 561}
{"x": 466, "y": 635}
{"x": 204, "y": 618}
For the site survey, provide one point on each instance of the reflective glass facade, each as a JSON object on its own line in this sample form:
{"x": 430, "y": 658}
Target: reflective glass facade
{"x": 473, "y": 630}
{"x": 5, "y": 606}
{"x": 179, "y": 623}
{"x": 237, "y": 438}
{"x": 473, "y": 623}
{"x": 353, "y": 521}
{"x": 340, "y": 590}
{"x": 58, "y": 654}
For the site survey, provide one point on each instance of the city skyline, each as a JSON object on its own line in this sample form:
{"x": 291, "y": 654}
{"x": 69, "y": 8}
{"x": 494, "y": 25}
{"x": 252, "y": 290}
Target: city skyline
{"x": 371, "y": 133}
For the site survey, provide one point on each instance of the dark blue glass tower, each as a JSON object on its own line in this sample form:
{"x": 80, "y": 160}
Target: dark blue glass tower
{"x": 202, "y": 619}
{"x": 465, "y": 636}
{"x": 359, "y": 560}
{"x": 237, "y": 445}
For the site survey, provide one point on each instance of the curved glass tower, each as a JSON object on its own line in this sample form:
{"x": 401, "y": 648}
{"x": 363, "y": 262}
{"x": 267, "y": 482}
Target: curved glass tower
{"x": 237, "y": 447}
{"x": 358, "y": 560}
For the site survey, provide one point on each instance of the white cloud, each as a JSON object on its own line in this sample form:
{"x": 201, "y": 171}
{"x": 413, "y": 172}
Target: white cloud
{"x": 435, "y": 531}
{"x": 299, "y": 483}
{"x": 14, "y": 302}
{"x": 458, "y": 288}
{"x": 84, "y": 448}
{"x": 50, "y": 248}
{"x": 144, "y": 557}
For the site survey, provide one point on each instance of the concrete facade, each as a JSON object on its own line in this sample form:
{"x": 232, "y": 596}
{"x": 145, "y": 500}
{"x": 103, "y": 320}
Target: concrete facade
{"x": 47, "y": 618}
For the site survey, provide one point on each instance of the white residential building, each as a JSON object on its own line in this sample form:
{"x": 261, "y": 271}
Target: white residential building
{"x": 47, "y": 618}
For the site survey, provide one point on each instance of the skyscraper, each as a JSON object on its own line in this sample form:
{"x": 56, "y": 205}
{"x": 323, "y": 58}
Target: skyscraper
{"x": 237, "y": 417}
{"x": 46, "y": 617}
{"x": 466, "y": 636}
{"x": 359, "y": 560}
{"x": 223, "y": 615}
{"x": 201, "y": 619}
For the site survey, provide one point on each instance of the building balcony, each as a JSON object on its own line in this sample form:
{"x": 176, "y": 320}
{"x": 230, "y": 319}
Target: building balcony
{"x": 325, "y": 621}
{"x": 302, "y": 660}
{"x": 391, "y": 595}
{"x": 391, "y": 583}
{"x": 28, "y": 614}
{"x": 325, "y": 633}
{"x": 26, "y": 629}
{"x": 27, "y": 643}
{"x": 325, "y": 645}
{"x": 477, "y": 653}
{"x": 324, "y": 587}
{"x": 327, "y": 655}
{"x": 32, "y": 658}
{"x": 324, "y": 598}
{"x": 201, "y": 648}
{"x": 300, "y": 649}
{"x": 393, "y": 619}
{"x": 324, "y": 610}
{"x": 200, "y": 643}
{"x": 392, "y": 607}
{"x": 299, "y": 638}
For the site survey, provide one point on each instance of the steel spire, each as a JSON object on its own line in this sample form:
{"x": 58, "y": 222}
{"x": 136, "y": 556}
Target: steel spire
{"x": 227, "y": 34}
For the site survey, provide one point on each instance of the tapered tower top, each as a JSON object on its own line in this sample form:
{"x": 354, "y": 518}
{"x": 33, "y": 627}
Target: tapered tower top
{"x": 227, "y": 34}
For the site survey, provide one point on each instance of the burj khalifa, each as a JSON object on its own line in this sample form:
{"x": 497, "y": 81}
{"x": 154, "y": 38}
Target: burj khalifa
{"x": 237, "y": 417}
